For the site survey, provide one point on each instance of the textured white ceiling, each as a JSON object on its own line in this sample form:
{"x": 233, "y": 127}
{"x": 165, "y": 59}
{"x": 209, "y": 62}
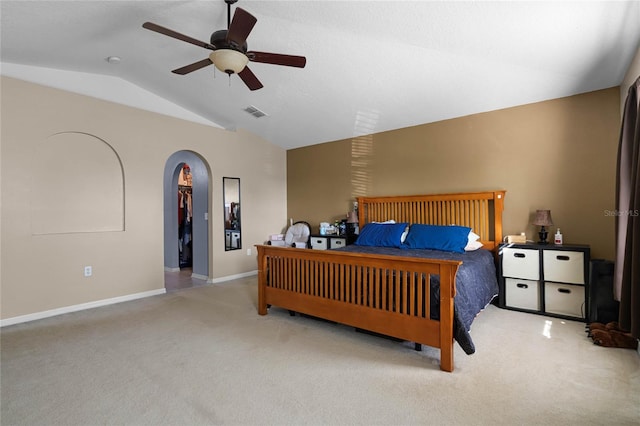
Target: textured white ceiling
{"x": 371, "y": 65}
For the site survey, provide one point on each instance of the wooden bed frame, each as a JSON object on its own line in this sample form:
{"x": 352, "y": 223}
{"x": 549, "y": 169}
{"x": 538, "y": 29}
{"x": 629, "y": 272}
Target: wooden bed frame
{"x": 361, "y": 290}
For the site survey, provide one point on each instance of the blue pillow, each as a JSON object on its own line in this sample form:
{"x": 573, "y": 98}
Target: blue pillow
{"x": 381, "y": 235}
{"x": 434, "y": 237}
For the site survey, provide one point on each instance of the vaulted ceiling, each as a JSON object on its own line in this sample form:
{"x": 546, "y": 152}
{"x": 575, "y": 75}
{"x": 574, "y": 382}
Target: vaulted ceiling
{"x": 371, "y": 66}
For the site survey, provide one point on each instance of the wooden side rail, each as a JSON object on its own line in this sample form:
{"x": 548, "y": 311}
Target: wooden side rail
{"x": 384, "y": 294}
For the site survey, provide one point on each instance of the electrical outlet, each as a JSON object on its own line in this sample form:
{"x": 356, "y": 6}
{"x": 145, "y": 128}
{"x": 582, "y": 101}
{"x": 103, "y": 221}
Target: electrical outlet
{"x": 88, "y": 270}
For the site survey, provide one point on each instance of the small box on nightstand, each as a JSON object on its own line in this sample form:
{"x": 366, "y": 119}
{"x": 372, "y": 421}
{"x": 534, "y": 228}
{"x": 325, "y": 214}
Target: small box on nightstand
{"x": 319, "y": 243}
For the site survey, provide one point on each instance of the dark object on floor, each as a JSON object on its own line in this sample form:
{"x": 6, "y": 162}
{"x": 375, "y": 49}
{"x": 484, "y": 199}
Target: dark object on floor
{"x": 613, "y": 325}
{"x": 612, "y": 338}
{"x": 602, "y": 306}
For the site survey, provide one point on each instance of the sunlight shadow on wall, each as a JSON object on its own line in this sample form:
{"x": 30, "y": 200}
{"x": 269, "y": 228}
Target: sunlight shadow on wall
{"x": 362, "y": 153}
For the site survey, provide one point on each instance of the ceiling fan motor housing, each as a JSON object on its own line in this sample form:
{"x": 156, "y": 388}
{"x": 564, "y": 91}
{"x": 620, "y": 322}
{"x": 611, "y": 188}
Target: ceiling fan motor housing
{"x": 219, "y": 40}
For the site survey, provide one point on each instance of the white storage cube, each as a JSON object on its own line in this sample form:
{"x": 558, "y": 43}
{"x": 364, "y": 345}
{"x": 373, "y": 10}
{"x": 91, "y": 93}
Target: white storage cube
{"x": 235, "y": 239}
{"x": 523, "y": 294}
{"x": 521, "y": 263}
{"x": 564, "y": 299}
{"x": 337, "y": 242}
{"x": 563, "y": 266}
{"x": 319, "y": 243}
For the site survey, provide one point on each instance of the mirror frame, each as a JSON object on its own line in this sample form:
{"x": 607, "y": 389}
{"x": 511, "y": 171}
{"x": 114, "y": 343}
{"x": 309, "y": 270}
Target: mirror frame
{"x": 231, "y": 240}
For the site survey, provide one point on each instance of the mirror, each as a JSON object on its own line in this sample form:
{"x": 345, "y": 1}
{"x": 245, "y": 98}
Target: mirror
{"x": 232, "y": 233}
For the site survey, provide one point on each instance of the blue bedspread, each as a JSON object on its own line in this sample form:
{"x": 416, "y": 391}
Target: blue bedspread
{"x": 476, "y": 284}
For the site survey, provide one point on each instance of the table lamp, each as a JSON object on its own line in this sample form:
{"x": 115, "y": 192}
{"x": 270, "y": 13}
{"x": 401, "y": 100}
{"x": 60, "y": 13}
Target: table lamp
{"x": 352, "y": 221}
{"x": 543, "y": 218}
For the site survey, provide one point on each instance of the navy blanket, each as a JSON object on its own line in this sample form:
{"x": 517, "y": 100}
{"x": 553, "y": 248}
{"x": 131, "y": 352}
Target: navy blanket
{"x": 476, "y": 285}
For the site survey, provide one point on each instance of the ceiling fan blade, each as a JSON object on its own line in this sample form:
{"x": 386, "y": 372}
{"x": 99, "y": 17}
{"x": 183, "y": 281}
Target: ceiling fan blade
{"x": 250, "y": 79}
{"x": 240, "y": 27}
{"x": 166, "y": 31}
{"x": 192, "y": 67}
{"x": 277, "y": 59}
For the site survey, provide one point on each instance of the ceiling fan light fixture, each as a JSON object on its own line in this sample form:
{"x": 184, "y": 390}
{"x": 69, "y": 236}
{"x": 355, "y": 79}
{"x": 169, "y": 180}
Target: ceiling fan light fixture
{"x": 229, "y": 60}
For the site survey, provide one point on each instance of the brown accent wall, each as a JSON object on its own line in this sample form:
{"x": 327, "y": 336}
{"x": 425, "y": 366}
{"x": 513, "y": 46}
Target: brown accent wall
{"x": 558, "y": 155}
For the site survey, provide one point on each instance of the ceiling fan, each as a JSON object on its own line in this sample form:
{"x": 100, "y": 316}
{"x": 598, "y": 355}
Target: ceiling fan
{"x": 229, "y": 48}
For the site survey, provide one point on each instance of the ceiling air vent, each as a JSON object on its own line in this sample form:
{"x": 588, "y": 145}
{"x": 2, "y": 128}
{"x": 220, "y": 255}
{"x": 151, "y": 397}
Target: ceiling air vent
{"x": 255, "y": 111}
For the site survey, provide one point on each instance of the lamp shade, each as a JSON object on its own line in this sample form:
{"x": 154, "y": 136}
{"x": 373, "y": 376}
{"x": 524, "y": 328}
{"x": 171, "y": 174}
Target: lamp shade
{"x": 352, "y": 217}
{"x": 543, "y": 218}
{"x": 229, "y": 60}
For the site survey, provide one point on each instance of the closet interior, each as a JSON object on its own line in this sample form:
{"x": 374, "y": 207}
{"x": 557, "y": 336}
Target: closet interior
{"x": 185, "y": 216}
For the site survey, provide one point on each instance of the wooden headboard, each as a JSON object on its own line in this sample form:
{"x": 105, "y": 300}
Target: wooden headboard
{"x": 481, "y": 211}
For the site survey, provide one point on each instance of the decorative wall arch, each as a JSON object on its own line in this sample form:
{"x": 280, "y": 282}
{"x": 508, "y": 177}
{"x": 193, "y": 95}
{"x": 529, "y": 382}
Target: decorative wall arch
{"x": 77, "y": 186}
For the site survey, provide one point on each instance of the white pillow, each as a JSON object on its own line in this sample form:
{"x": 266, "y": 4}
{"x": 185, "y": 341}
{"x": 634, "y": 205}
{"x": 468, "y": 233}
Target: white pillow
{"x": 473, "y": 245}
{"x": 404, "y": 234}
{"x": 472, "y": 242}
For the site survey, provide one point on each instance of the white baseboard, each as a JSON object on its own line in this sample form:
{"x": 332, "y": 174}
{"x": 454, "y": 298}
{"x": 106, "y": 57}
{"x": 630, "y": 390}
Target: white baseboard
{"x": 80, "y": 307}
{"x": 231, "y": 277}
{"x": 67, "y": 309}
{"x": 215, "y": 280}
{"x": 199, "y": 277}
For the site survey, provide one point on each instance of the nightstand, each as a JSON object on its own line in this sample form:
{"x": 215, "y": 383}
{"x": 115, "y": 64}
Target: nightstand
{"x": 546, "y": 279}
{"x": 327, "y": 242}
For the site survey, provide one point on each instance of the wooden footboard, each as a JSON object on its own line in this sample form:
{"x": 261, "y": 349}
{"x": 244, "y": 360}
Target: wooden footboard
{"x": 384, "y": 294}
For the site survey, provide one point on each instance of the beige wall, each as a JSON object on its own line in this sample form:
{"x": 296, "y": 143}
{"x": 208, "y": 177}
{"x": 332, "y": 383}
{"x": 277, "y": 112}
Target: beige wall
{"x": 45, "y": 271}
{"x": 558, "y": 155}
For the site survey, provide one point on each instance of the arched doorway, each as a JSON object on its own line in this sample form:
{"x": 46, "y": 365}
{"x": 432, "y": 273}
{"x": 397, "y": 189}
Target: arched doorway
{"x": 197, "y": 271}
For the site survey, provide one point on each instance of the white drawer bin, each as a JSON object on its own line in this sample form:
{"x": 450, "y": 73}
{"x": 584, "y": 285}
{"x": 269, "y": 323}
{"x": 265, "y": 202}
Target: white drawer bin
{"x": 564, "y": 299}
{"x": 521, "y": 263}
{"x": 318, "y": 243}
{"x": 522, "y": 294}
{"x": 337, "y": 242}
{"x": 563, "y": 266}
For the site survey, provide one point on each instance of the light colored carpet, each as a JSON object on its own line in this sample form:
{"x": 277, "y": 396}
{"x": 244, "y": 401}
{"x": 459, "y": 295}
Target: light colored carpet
{"x": 204, "y": 356}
